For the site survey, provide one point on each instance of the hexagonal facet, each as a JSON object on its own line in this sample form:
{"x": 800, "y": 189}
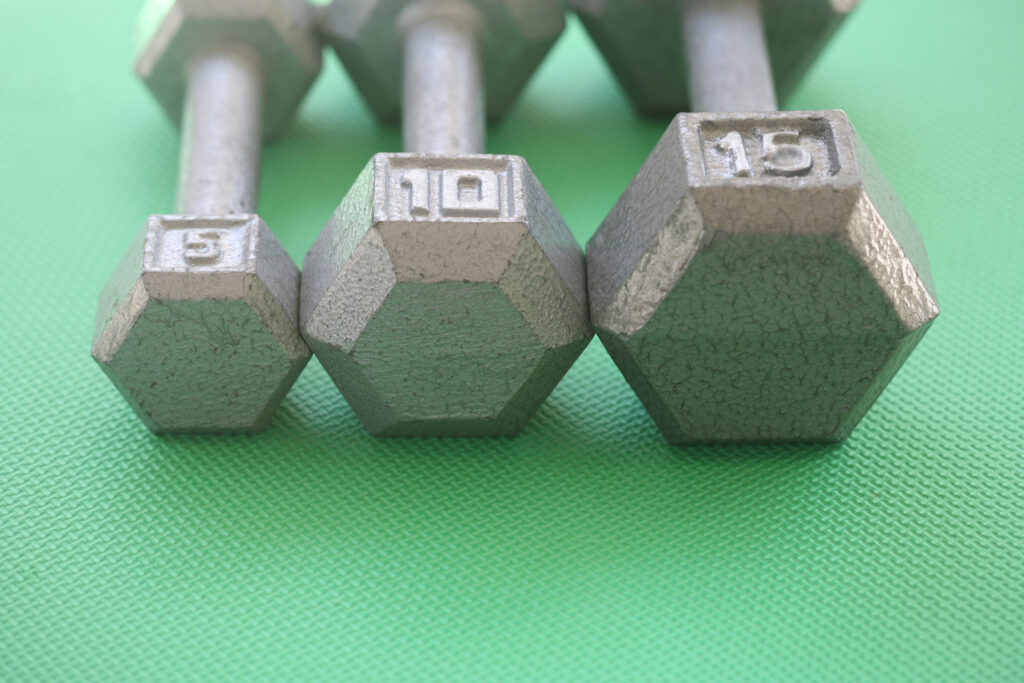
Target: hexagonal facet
{"x": 758, "y": 280}
{"x": 642, "y": 42}
{"x": 171, "y": 32}
{"x": 198, "y": 325}
{"x": 515, "y": 38}
{"x": 446, "y": 296}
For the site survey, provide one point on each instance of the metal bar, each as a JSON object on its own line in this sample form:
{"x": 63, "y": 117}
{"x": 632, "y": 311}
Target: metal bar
{"x": 726, "y": 56}
{"x": 443, "y": 102}
{"x": 219, "y": 169}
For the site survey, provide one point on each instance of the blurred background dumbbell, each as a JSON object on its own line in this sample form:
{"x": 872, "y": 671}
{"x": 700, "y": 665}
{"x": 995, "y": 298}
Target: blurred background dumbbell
{"x": 446, "y": 296}
{"x": 758, "y": 280}
{"x": 197, "y": 327}
{"x": 641, "y": 43}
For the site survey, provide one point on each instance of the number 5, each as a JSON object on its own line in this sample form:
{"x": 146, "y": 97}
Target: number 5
{"x": 202, "y": 247}
{"x": 785, "y": 158}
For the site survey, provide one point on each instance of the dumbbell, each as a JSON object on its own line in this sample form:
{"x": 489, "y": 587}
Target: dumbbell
{"x": 758, "y": 280}
{"x": 446, "y": 296}
{"x": 198, "y": 326}
{"x": 641, "y": 43}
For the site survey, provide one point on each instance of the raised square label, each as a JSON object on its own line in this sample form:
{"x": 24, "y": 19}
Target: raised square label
{"x": 467, "y": 192}
{"x": 190, "y": 244}
{"x": 439, "y": 189}
{"x": 759, "y": 147}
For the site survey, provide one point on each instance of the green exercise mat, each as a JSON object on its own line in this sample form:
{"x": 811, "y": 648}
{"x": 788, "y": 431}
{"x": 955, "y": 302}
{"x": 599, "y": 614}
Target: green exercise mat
{"x": 585, "y": 548}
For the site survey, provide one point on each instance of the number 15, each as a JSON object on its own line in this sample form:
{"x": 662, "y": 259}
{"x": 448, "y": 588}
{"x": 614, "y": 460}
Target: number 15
{"x": 779, "y": 157}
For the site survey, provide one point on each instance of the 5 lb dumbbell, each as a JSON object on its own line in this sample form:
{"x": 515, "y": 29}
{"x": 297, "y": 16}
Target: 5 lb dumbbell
{"x": 446, "y": 296}
{"x": 758, "y": 280}
{"x": 198, "y": 325}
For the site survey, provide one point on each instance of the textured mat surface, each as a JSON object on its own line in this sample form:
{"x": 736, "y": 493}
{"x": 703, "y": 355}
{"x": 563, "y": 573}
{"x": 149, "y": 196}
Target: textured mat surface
{"x": 586, "y": 546}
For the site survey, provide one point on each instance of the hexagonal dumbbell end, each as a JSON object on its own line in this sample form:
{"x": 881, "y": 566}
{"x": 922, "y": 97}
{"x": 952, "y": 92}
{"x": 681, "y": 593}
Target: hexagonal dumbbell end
{"x": 365, "y": 36}
{"x": 198, "y": 325}
{"x": 758, "y": 280}
{"x": 643, "y": 46}
{"x": 171, "y": 32}
{"x": 446, "y": 296}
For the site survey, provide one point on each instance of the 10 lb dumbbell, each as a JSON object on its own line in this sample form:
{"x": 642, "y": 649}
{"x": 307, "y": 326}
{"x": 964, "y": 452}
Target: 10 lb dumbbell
{"x": 446, "y": 296}
{"x": 198, "y": 325}
{"x": 758, "y": 280}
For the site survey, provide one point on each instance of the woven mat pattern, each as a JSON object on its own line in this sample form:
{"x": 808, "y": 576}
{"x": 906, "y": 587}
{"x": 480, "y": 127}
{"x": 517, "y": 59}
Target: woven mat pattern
{"x": 584, "y": 548}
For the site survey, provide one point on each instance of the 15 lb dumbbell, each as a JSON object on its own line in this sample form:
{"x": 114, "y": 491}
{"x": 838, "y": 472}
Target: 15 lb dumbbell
{"x": 758, "y": 280}
{"x": 446, "y": 296}
{"x": 198, "y": 325}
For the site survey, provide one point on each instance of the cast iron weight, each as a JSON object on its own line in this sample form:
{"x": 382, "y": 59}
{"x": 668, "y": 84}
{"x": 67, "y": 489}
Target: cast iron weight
{"x": 446, "y": 296}
{"x": 758, "y": 280}
{"x": 197, "y": 327}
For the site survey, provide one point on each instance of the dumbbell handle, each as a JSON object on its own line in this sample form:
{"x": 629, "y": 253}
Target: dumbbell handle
{"x": 726, "y": 56}
{"x": 218, "y": 172}
{"x": 442, "y": 89}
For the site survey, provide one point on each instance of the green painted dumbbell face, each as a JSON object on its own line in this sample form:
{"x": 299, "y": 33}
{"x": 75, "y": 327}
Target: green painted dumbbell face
{"x": 445, "y": 296}
{"x": 758, "y": 280}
